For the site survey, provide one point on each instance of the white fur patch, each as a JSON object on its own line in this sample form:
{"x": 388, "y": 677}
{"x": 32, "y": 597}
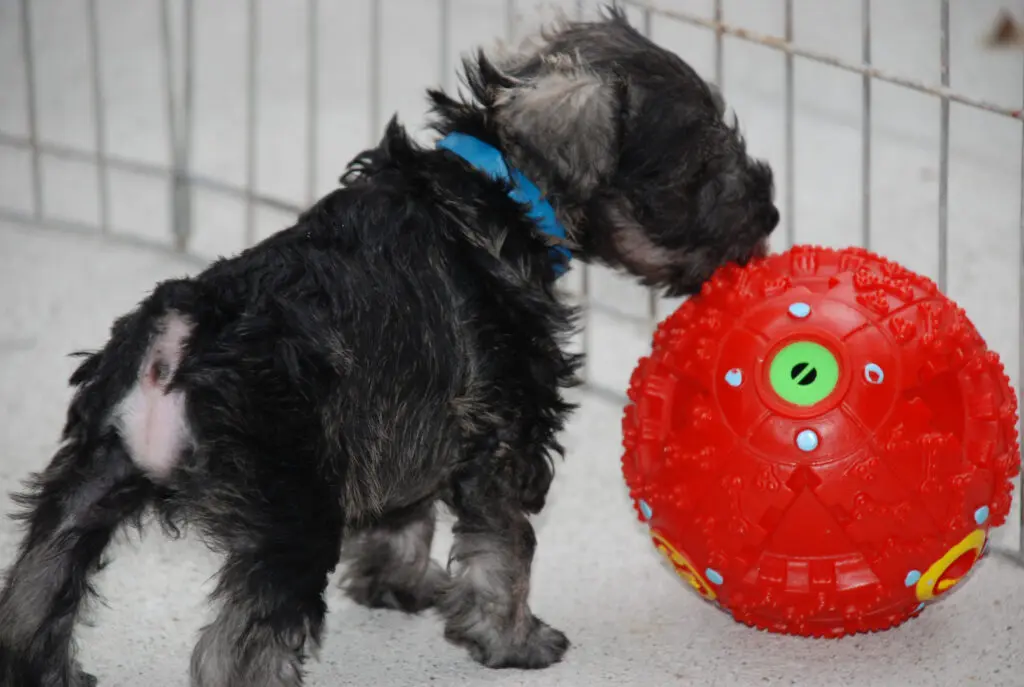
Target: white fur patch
{"x": 150, "y": 419}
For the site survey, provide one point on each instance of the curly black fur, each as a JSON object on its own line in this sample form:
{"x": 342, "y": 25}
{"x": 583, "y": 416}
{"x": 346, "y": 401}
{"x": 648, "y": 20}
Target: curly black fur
{"x": 402, "y": 345}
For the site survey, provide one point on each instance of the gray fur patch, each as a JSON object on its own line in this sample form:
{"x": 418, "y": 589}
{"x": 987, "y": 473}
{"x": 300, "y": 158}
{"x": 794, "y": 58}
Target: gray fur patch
{"x": 390, "y": 566}
{"x": 486, "y": 608}
{"x": 233, "y": 652}
{"x": 568, "y": 112}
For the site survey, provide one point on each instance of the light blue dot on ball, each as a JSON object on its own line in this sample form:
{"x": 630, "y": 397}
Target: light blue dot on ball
{"x": 807, "y": 440}
{"x": 912, "y": 577}
{"x": 981, "y": 515}
{"x": 799, "y": 310}
{"x": 645, "y": 510}
{"x": 919, "y": 608}
{"x": 734, "y": 377}
{"x": 714, "y": 577}
{"x": 873, "y": 373}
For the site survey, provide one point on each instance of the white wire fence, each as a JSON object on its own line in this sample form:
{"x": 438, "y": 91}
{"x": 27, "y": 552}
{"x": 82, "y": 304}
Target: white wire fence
{"x": 180, "y": 65}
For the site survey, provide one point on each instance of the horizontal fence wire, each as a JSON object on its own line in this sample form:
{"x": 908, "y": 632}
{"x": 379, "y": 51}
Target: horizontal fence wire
{"x": 788, "y": 47}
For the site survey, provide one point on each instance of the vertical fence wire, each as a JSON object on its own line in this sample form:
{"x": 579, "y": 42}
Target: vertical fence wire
{"x": 510, "y": 21}
{"x": 865, "y": 180}
{"x": 375, "y": 68}
{"x": 312, "y": 97}
{"x": 31, "y": 106}
{"x": 652, "y": 295}
{"x": 584, "y": 278}
{"x": 179, "y": 113}
{"x": 1020, "y": 352}
{"x": 790, "y": 133}
{"x": 170, "y": 102}
{"x": 719, "y": 45}
{"x": 188, "y": 93}
{"x": 252, "y": 83}
{"x": 99, "y": 117}
{"x": 944, "y": 151}
{"x": 444, "y": 43}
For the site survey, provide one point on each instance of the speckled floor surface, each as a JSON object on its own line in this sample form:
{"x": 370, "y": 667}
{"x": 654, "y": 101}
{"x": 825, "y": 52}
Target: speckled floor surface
{"x": 596, "y": 575}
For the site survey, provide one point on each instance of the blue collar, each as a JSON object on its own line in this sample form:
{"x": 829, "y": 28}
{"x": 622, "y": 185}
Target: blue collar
{"x": 489, "y": 160}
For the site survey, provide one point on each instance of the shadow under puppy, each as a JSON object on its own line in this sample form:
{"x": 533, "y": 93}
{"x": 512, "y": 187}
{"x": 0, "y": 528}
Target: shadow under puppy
{"x": 402, "y": 345}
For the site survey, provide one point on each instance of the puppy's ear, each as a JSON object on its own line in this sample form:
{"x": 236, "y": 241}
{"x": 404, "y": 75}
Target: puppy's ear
{"x": 568, "y": 116}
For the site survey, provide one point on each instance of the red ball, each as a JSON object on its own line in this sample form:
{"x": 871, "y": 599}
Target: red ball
{"x": 820, "y": 442}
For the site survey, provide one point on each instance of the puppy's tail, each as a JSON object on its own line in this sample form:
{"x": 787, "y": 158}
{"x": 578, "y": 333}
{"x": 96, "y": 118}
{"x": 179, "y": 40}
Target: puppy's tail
{"x": 128, "y": 388}
{"x": 124, "y": 432}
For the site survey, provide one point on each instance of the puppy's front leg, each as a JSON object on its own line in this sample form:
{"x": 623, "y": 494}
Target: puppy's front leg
{"x": 485, "y": 606}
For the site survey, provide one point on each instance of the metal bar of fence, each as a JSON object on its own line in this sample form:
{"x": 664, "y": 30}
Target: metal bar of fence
{"x": 121, "y": 164}
{"x": 179, "y": 119}
{"x": 252, "y": 82}
{"x": 790, "y": 131}
{"x": 1020, "y": 356}
{"x": 444, "y": 43}
{"x": 719, "y": 45}
{"x": 69, "y": 154}
{"x": 28, "y": 55}
{"x": 87, "y": 230}
{"x": 585, "y": 281}
{"x": 652, "y": 295}
{"x": 584, "y": 278}
{"x": 781, "y": 44}
{"x": 312, "y": 97}
{"x": 865, "y": 180}
{"x": 170, "y": 102}
{"x": 183, "y": 198}
{"x": 510, "y": 21}
{"x": 100, "y": 117}
{"x": 944, "y": 151}
{"x": 375, "y": 69}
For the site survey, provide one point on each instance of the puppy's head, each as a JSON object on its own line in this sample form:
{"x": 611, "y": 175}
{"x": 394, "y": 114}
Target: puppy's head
{"x": 631, "y": 146}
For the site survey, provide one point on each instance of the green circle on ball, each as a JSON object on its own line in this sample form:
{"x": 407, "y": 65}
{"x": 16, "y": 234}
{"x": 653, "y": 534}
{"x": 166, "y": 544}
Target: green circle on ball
{"x": 804, "y": 373}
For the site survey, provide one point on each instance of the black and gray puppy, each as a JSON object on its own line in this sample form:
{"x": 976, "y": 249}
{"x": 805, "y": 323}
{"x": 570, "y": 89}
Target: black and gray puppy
{"x": 402, "y": 346}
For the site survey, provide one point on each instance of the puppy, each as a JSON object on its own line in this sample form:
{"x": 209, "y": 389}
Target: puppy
{"x": 402, "y": 346}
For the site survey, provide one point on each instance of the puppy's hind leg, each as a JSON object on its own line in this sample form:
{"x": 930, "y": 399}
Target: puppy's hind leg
{"x": 282, "y": 531}
{"x": 118, "y": 430}
{"x": 485, "y": 605}
{"x": 389, "y": 565}
{"x": 73, "y": 510}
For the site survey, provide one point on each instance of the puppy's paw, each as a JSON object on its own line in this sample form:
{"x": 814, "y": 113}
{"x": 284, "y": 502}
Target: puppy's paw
{"x": 80, "y": 678}
{"x": 542, "y": 646}
{"x": 18, "y": 673}
{"x": 379, "y": 592}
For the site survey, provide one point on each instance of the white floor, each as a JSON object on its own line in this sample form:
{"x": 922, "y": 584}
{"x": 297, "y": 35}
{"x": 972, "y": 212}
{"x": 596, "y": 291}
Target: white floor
{"x": 597, "y": 577}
